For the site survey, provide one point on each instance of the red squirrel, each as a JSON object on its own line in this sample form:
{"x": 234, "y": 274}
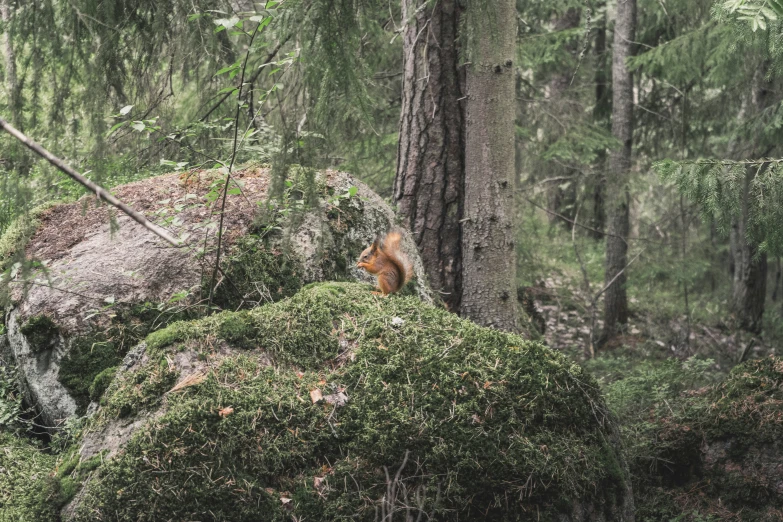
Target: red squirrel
{"x": 385, "y": 260}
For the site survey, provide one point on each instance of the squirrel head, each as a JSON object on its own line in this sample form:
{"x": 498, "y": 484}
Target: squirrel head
{"x": 369, "y": 254}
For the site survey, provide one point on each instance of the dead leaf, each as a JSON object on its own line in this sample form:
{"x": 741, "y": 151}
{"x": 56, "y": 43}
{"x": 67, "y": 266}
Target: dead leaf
{"x": 318, "y": 482}
{"x": 225, "y": 412}
{"x": 316, "y": 395}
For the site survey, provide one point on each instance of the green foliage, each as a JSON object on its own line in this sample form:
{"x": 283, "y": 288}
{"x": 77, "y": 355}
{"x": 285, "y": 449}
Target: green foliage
{"x": 10, "y": 398}
{"x": 478, "y": 411}
{"x": 719, "y": 188}
{"x": 757, "y": 12}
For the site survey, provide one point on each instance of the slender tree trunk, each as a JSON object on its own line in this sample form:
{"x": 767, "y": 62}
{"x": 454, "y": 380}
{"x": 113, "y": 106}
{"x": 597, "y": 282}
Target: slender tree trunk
{"x": 750, "y": 272}
{"x": 562, "y": 200}
{"x": 429, "y": 185}
{"x": 489, "y": 255}
{"x": 749, "y": 289}
{"x": 11, "y": 82}
{"x": 601, "y": 114}
{"x": 617, "y": 194}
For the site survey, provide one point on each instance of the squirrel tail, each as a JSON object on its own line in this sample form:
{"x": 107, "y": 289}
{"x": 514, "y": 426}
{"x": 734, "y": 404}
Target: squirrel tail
{"x": 391, "y": 245}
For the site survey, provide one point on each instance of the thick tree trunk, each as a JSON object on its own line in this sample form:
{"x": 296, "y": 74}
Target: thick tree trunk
{"x": 429, "y": 184}
{"x": 561, "y": 200}
{"x": 617, "y": 195}
{"x": 489, "y": 256}
{"x": 11, "y": 82}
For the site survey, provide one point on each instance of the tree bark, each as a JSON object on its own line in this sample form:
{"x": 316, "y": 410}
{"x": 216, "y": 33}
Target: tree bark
{"x": 749, "y": 289}
{"x": 11, "y": 82}
{"x": 749, "y": 284}
{"x": 601, "y": 114}
{"x": 429, "y": 185}
{"x": 489, "y": 255}
{"x": 617, "y": 194}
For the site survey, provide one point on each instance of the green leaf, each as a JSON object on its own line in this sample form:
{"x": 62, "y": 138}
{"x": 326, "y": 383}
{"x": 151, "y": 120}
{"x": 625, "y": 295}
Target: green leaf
{"x": 233, "y": 66}
{"x": 115, "y": 127}
{"x": 138, "y": 126}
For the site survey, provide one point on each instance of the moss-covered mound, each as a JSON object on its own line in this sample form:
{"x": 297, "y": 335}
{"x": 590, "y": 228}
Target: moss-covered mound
{"x": 29, "y": 489}
{"x": 717, "y": 453}
{"x": 339, "y": 404}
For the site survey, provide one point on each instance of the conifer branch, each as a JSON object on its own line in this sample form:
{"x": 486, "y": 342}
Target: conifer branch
{"x": 99, "y": 191}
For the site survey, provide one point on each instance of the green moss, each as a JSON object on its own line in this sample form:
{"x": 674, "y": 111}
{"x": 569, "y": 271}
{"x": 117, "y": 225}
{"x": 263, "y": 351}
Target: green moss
{"x": 41, "y": 333}
{"x": 87, "y": 359}
{"x": 101, "y": 382}
{"x": 256, "y": 274}
{"x": 88, "y": 367}
{"x": 28, "y": 491}
{"x": 495, "y": 427}
{"x": 18, "y": 234}
{"x": 140, "y": 389}
{"x": 714, "y": 448}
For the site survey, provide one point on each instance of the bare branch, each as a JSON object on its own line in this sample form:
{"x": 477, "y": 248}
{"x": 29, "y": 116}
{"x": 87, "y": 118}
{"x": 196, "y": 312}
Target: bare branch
{"x": 99, "y": 191}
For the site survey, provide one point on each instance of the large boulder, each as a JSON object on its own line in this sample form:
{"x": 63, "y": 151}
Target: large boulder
{"x": 86, "y": 283}
{"x": 340, "y": 404}
{"x": 718, "y": 451}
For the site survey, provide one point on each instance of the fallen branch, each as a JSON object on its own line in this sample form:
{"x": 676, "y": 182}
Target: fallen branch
{"x": 99, "y": 191}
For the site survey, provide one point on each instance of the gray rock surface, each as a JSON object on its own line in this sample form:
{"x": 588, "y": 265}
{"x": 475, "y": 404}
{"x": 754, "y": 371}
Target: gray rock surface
{"x": 95, "y": 261}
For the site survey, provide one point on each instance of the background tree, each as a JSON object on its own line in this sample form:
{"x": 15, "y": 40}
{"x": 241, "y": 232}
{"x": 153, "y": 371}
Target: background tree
{"x": 617, "y": 179}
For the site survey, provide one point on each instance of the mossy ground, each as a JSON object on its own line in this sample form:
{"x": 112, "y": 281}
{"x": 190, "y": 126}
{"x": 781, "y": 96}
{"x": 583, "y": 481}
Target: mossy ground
{"x": 41, "y": 333}
{"x": 701, "y": 451}
{"x": 28, "y": 488}
{"x": 495, "y": 427}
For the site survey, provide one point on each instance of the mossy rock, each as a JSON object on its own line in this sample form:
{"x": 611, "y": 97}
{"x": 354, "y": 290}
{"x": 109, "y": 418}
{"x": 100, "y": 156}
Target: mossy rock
{"x": 83, "y": 321}
{"x": 339, "y": 404}
{"x": 28, "y": 489}
{"x": 724, "y": 451}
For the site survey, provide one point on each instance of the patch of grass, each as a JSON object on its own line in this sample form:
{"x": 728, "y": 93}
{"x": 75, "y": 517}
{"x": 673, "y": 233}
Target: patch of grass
{"x": 493, "y": 426}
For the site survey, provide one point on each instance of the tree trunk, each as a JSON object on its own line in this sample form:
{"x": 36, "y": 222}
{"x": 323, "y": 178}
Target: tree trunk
{"x": 617, "y": 194}
{"x": 601, "y": 114}
{"x": 562, "y": 200}
{"x": 749, "y": 288}
{"x": 429, "y": 185}
{"x": 489, "y": 255}
{"x": 11, "y": 82}
{"x": 750, "y": 272}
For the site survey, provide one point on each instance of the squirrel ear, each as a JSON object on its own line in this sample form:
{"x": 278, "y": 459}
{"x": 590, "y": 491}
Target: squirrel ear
{"x": 375, "y": 245}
